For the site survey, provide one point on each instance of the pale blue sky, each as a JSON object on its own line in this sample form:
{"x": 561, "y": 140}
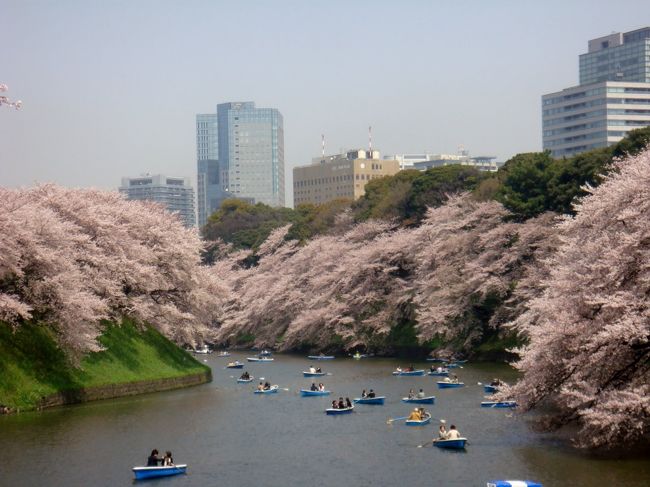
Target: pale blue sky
{"x": 111, "y": 88}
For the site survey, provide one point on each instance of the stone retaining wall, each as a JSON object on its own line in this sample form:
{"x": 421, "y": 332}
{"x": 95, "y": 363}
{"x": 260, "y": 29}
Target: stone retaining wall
{"x": 120, "y": 390}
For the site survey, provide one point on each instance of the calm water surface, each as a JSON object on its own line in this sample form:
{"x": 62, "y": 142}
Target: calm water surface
{"x": 231, "y": 437}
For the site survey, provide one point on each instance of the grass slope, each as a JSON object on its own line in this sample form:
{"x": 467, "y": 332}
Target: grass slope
{"x": 33, "y": 366}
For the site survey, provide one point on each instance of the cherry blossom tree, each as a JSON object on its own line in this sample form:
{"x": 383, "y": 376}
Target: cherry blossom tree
{"x": 4, "y": 100}
{"x": 588, "y": 359}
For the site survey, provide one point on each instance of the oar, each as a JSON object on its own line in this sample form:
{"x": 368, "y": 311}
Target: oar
{"x": 425, "y": 444}
{"x": 390, "y": 420}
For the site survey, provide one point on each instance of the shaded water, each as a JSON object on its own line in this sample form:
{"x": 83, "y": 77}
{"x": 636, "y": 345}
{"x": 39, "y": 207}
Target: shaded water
{"x": 231, "y": 437}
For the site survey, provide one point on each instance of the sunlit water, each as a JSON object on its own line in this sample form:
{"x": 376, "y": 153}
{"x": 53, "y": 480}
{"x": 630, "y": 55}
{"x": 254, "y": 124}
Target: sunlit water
{"x": 231, "y": 437}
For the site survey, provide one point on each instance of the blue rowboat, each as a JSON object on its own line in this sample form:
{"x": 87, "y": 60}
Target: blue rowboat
{"x": 513, "y": 483}
{"x": 420, "y": 400}
{"x": 409, "y": 372}
{"x": 435, "y": 359}
{"x": 457, "y": 444}
{"x": 142, "y": 473}
{"x": 419, "y": 422}
{"x": 272, "y": 390}
{"x": 260, "y": 359}
{"x": 244, "y": 381}
{"x": 320, "y": 357}
{"x": 235, "y": 365}
{"x": 332, "y": 411}
{"x": 312, "y": 374}
{"x": 449, "y": 385}
{"x": 460, "y": 361}
{"x": 490, "y": 389}
{"x": 452, "y": 365}
{"x": 499, "y": 404}
{"x": 223, "y": 354}
{"x": 444, "y": 373}
{"x": 307, "y": 392}
{"x": 370, "y": 400}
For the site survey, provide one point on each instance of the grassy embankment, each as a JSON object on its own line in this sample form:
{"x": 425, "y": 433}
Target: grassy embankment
{"x": 32, "y": 366}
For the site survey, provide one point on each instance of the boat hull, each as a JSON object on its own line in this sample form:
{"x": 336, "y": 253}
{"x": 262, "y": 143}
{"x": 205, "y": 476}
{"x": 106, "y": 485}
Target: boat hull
{"x": 434, "y": 359}
{"x": 490, "y": 389}
{"x": 235, "y": 366}
{"x": 307, "y": 392}
{"x": 245, "y": 381}
{"x": 321, "y": 357}
{"x": 377, "y": 401}
{"x": 439, "y": 374}
{"x": 312, "y": 374}
{"x": 254, "y": 359}
{"x": 420, "y": 400}
{"x": 421, "y": 422}
{"x": 411, "y": 372}
{"x": 499, "y": 404}
{"x": 450, "y": 385}
{"x": 142, "y": 473}
{"x": 334, "y": 412}
{"x": 458, "y": 444}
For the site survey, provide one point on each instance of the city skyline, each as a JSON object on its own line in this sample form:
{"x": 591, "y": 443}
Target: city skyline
{"x": 426, "y": 77}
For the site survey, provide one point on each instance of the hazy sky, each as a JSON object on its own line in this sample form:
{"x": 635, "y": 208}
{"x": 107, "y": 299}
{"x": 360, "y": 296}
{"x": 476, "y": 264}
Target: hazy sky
{"x": 111, "y": 88}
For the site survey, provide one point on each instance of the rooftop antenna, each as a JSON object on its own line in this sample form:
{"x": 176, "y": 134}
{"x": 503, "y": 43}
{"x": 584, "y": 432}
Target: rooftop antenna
{"x": 370, "y": 142}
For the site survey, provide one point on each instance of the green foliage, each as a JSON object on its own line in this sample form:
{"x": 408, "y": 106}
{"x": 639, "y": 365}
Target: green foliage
{"x": 311, "y": 220}
{"x": 386, "y": 197}
{"x": 33, "y": 366}
{"x": 244, "y": 338}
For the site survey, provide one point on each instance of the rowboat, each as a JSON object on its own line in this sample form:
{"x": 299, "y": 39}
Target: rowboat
{"x": 420, "y": 400}
{"x": 320, "y": 357}
{"x": 435, "y": 373}
{"x": 265, "y": 353}
{"x": 490, "y": 389}
{"x": 460, "y": 361}
{"x": 359, "y": 356}
{"x": 151, "y": 472}
{"x": 260, "y": 359}
{"x": 272, "y": 390}
{"x": 235, "y": 365}
{"x": 452, "y": 365}
{"x": 457, "y": 444}
{"x": 409, "y": 372}
{"x": 307, "y": 392}
{"x": 449, "y": 385}
{"x": 223, "y": 354}
{"x": 435, "y": 359}
{"x": 513, "y": 483}
{"x": 306, "y": 373}
{"x": 499, "y": 404}
{"x": 202, "y": 351}
{"x": 370, "y": 400}
{"x": 419, "y": 422}
{"x": 339, "y": 411}
{"x": 244, "y": 381}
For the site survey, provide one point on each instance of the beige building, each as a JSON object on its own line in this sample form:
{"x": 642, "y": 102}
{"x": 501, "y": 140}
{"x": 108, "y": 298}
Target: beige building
{"x": 339, "y": 176}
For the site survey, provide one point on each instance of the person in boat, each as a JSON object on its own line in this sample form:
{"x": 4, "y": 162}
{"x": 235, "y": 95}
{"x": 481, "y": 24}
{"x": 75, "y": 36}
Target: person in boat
{"x": 153, "y": 459}
{"x": 496, "y": 382}
{"x": 335, "y": 404}
{"x": 454, "y": 378}
{"x": 422, "y": 413}
{"x": 440, "y": 370}
{"x": 371, "y": 394}
{"x": 245, "y": 376}
{"x": 348, "y": 403}
{"x": 411, "y": 394}
{"x": 341, "y": 403}
{"x": 167, "y": 460}
{"x": 312, "y": 370}
{"x": 319, "y": 371}
{"x": 321, "y": 387}
{"x": 453, "y": 433}
{"x": 442, "y": 432}
{"x": 420, "y": 394}
{"x": 267, "y": 386}
{"x": 313, "y": 386}
{"x": 364, "y": 393}
{"x": 398, "y": 369}
{"x": 410, "y": 368}
{"x": 415, "y": 415}
{"x": 260, "y": 387}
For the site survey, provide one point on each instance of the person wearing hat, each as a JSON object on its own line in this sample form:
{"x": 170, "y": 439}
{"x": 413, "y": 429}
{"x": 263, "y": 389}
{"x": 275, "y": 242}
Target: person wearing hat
{"x": 415, "y": 415}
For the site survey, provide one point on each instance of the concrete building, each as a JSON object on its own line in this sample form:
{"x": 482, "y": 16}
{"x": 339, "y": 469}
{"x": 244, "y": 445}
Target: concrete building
{"x": 251, "y": 152}
{"x": 425, "y": 161}
{"x": 176, "y": 194}
{"x": 209, "y": 189}
{"x": 613, "y": 96}
{"x": 339, "y": 176}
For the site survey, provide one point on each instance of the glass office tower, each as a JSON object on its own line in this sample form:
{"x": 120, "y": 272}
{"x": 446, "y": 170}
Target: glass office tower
{"x": 251, "y": 152}
{"x": 209, "y": 192}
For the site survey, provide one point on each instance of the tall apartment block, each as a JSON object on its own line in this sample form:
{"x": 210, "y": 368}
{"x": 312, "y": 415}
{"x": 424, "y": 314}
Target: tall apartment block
{"x": 339, "y": 176}
{"x": 209, "y": 189}
{"x": 613, "y": 96}
{"x": 176, "y": 194}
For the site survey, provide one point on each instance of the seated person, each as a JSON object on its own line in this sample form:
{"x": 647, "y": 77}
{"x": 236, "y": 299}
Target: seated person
{"x": 415, "y": 415}
{"x": 168, "y": 461}
{"x": 341, "y": 403}
{"x": 442, "y": 432}
{"x": 319, "y": 371}
{"x": 312, "y": 370}
{"x": 260, "y": 387}
{"x": 348, "y": 404}
{"x": 335, "y": 405}
{"x": 371, "y": 393}
{"x": 153, "y": 459}
{"x": 364, "y": 393}
{"x": 411, "y": 394}
{"x": 313, "y": 387}
{"x": 321, "y": 387}
{"x": 267, "y": 386}
{"x": 420, "y": 393}
{"x": 495, "y": 383}
{"x": 453, "y": 433}
{"x": 245, "y": 376}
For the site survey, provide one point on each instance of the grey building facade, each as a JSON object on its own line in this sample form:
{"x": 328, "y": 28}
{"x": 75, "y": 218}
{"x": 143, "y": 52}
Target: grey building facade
{"x": 209, "y": 187}
{"x": 176, "y": 194}
{"x": 613, "y": 96}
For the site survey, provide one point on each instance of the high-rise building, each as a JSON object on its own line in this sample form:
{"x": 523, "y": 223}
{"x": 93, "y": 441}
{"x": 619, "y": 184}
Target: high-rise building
{"x": 176, "y": 194}
{"x": 209, "y": 188}
{"x": 251, "y": 152}
{"x": 339, "y": 176}
{"x": 613, "y": 96}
